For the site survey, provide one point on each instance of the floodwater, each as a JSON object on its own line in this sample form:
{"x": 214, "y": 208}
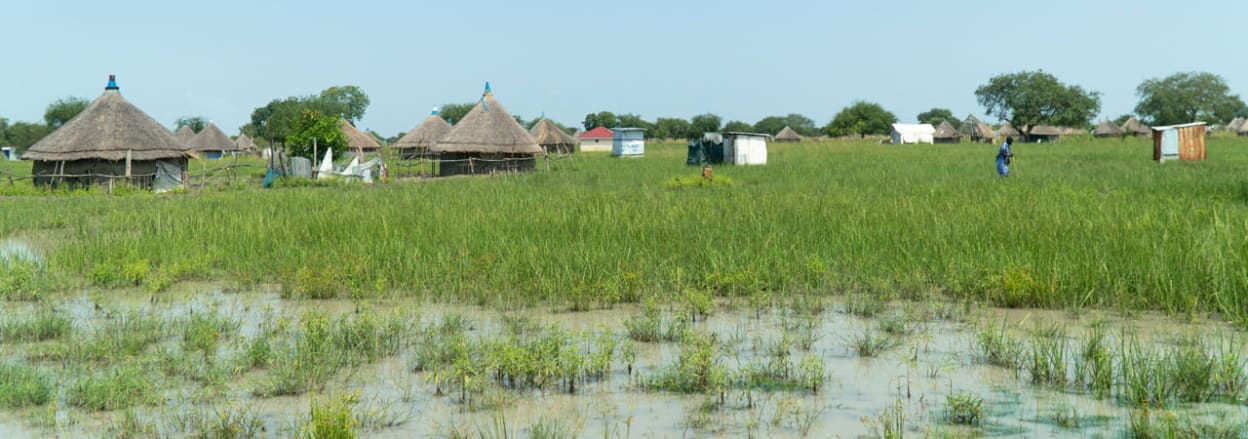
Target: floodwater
{"x": 935, "y": 361}
{"x": 12, "y": 249}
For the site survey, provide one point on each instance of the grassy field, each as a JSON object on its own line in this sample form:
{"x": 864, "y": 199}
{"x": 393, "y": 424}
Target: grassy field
{"x": 1080, "y": 223}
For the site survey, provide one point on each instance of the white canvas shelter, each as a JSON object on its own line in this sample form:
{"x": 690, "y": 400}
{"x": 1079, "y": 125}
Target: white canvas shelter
{"x": 912, "y": 133}
{"x": 745, "y": 148}
{"x": 628, "y": 142}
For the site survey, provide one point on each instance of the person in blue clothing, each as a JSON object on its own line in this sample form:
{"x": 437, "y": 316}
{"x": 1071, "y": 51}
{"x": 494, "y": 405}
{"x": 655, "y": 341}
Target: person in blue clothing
{"x": 1004, "y": 156}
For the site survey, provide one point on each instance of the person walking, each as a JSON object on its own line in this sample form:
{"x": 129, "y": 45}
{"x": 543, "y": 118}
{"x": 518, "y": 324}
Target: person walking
{"x": 1004, "y": 157}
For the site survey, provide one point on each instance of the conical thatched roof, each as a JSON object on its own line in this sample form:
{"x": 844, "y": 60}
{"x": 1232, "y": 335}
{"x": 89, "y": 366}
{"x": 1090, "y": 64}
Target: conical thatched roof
{"x": 974, "y": 128}
{"x": 357, "y": 139}
{"x": 244, "y": 143}
{"x": 212, "y": 139}
{"x": 424, "y": 135}
{"x": 788, "y": 135}
{"x": 184, "y": 134}
{"x": 1107, "y": 128}
{"x": 545, "y": 133}
{"x": 1243, "y": 127}
{"x": 1235, "y": 124}
{"x": 946, "y": 131}
{"x": 488, "y": 128}
{"x": 1044, "y": 130}
{"x": 1133, "y": 126}
{"x": 106, "y": 130}
{"x": 1007, "y": 130}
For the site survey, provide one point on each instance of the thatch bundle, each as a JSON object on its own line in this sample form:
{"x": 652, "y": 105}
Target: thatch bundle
{"x": 788, "y": 135}
{"x": 1107, "y": 129}
{"x": 424, "y": 135}
{"x": 553, "y": 139}
{"x": 356, "y": 139}
{"x": 212, "y": 139}
{"x": 488, "y": 129}
{"x": 106, "y": 130}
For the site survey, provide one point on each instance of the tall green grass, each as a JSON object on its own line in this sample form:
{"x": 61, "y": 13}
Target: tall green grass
{"x": 1077, "y": 224}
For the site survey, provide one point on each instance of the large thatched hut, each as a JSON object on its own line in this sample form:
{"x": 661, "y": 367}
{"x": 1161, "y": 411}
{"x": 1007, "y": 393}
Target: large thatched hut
{"x": 1107, "y": 129}
{"x": 211, "y": 143}
{"x": 357, "y": 140}
{"x": 487, "y": 140}
{"x": 788, "y": 135}
{"x": 418, "y": 141}
{"x": 551, "y": 138}
{"x": 109, "y": 139}
{"x": 185, "y": 134}
{"x": 946, "y": 134}
{"x": 1133, "y": 127}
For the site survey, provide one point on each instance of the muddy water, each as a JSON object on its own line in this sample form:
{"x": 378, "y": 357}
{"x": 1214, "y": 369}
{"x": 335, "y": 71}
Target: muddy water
{"x": 916, "y": 376}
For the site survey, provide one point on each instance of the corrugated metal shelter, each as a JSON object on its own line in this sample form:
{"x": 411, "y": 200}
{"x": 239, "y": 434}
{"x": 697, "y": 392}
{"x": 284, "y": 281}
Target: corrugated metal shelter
{"x": 946, "y": 134}
{"x": 628, "y": 142}
{"x": 1179, "y": 142}
{"x": 1107, "y": 129}
{"x": 745, "y": 148}
{"x": 1133, "y": 127}
{"x": 597, "y": 139}
{"x": 912, "y": 133}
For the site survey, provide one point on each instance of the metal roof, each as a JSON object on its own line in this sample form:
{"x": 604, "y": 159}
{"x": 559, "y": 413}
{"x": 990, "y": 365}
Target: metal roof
{"x": 1193, "y": 124}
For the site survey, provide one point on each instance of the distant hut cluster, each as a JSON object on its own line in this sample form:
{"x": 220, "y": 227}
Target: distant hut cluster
{"x": 110, "y": 139}
{"x": 487, "y": 140}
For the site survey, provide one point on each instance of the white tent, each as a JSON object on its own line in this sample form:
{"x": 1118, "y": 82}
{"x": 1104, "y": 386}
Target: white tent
{"x": 912, "y": 133}
{"x": 745, "y": 148}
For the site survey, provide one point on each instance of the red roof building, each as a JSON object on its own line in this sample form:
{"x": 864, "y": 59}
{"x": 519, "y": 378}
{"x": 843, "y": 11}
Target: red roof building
{"x": 597, "y": 133}
{"x": 597, "y": 139}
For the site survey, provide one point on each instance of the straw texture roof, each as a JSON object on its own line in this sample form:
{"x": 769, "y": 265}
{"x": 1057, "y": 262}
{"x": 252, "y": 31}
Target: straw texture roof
{"x": 357, "y": 139}
{"x": 1044, "y": 130}
{"x": 1107, "y": 128}
{"x": 788, "y": 135}
{"x": 212, "y": 139}
{"x": 244, "y": 143}
{"x": 1235, "y": 124}
{"x": 1007, "y": 130}
{"x": 946, "y": 131}
{"x": 1133, "y": 126}
{"x": 184, "y": 134}
{"x": 105, "y": 130}
{"x": 424, "y": 135}
{"x": 1243, "y": 127}
{"x": 488, "y": 128}
{"x": 545, "y": 133}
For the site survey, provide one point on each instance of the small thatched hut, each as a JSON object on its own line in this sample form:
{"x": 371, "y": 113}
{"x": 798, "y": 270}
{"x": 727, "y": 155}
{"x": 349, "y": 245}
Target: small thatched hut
{"x": 946, "y": 134}
{"x": 211, "y": 143}
{"x": 185, "y": 134}
{"x": 1235, "y": 124}
{"x": 244, "y": 143}
{"x": 1107, "y": 129}
{"x": 975, "y": 130}
{"x": 357, "y": 140}
{"x": 1133, "y": 127}
{"x": 1044, "y": 134}
{"x": 110, "y": 138}
{"x": 1007, "y": 130}
{"x": 788, "y": 135}
{"x": 420, "y": 139}
{"x": 551, "y": 138}
{"x": 487, "y": 140}
{"x": 1242, "y": 130}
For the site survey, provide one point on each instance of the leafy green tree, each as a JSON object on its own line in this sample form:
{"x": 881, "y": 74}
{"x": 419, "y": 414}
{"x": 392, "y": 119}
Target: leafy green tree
{"x": 802, "y": 124}
{"x": 705, "y": 123}
{"x": 276, "y": 120}
{"x": 196, "y": 123}
{"x": 1187, "y": 97}
{"x": 738, "y": 126}
{"x": 861, "y": 118}
{"x": 22, "y": 134}
{"x": 1027, "y": 99}
{"x": 630, "y": 120}
{"x": 937, "y": 115}
{"x": 670, "y": 128}
{"x": 454, "y": 113}
{"x": 1121, "y": 119}
{"x": 348, "y": 101}
{"x": 326, "y": 131}
{"x": 62, "y": 110}
{"x": 600, "y": 119}
{"x": 770, "y": 125}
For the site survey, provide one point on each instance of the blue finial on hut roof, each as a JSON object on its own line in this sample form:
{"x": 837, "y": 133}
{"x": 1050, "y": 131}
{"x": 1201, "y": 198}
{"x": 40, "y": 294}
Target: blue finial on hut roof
{"x": 112, "y": 83}
{"x": 435, "y": 111}
{"x": 487, "y": 86}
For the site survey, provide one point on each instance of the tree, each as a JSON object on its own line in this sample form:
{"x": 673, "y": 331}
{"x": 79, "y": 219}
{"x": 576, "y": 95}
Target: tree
{"x": 937, "y": 115}
{"x": 62, "y": 110}
{"x": 276, "y": 120}
{"x": 704, "y": 123}
{"x": 802, "y": 124}
{"x": 670, "y": 128}
{"x": 196, "y": 123}
{"x": 600, "y": 119}
{"x": 861, "y": 118}
{"x": 1027, "y": 99}
{"x": 311, "y": 125}
{"x": 453, "y": 113}
{"x": 770, "y": 125}
{"x": 22, "y": 134}
{"x": 1121, "y": 119}
{"x": 633, "y": 121}
{"x": 738, "y": 126}
{"x": 348, "y": 101}
{"x": 1187, "y": 97}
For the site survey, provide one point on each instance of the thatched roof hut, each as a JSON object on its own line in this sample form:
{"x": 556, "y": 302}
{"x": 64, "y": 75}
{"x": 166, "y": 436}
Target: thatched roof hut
{"x": 788, "y": 135}
{"x": 358, "y": 140}
{"x": 1044, "y": 133}
{"x": 244, "y": 143}
{"x": 421, "y": 138}
{"x": 185, "y": 134}
{"x": 1133, "y": 127}
{"x": 110, "y": 138}
{"x": 1107, "y": 129}
{"x": 1007, "y": 130}
{"x": 551, "y": 138}
{"x": 210, "y": 143}
{"x": 946, "y": 134}
{"x": 976, "y": 130}
{"x": 1235, "y": 124}
{"x": 486, "y": 140}
{"x": 1242, "y": 130}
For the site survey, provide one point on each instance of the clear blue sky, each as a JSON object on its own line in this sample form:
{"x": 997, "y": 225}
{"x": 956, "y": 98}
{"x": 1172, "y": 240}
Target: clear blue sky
{"x": 741, "y": 60}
